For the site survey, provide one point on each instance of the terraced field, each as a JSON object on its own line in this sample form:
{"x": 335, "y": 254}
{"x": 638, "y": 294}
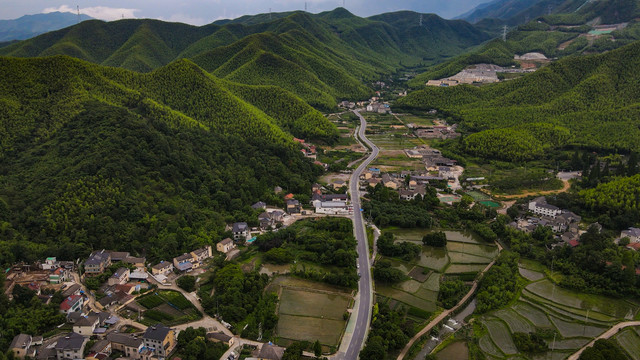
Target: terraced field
{"x": 464, "y": 254}
{"x": 575, "y": 318}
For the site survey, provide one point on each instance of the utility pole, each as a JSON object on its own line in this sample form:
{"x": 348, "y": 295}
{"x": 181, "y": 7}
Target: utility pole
{"x": 420, "y": 20}
{"x": 78, "y": 7}
{"x": 305, "y": 6}
{"x": 504, "y": 33}
{"x": 269, "y": 13}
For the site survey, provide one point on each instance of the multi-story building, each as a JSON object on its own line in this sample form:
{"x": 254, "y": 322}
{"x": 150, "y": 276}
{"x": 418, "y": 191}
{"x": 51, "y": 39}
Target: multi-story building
{"x": 97, "y": 262}
{"x": 160, "y": 339}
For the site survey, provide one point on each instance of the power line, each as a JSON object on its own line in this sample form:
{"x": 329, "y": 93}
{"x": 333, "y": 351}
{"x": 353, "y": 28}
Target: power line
{"x": 504, "y": 33}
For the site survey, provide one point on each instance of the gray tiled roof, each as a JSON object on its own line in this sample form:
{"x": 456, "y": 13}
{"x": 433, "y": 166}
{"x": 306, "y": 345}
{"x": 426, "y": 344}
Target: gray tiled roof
{"x": 71, "y": 341}
{"x": 158, "y": 332}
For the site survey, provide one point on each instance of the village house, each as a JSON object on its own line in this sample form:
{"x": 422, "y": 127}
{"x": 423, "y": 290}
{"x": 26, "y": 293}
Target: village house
{"x": 387, "y": 181}
{"x": 131, "y": 347}
{"x": 59, "y": 276}
{"x": 118, "y": 256}
{"x": 225, "y": 246}
{"x": 49, "y": 264}
{"x": 332, "y": 207}
{"x": 73, "y": 289}
{"x": 100, "y": 350}
{"x": 330, "y": 197}
{"x": 162, "y": 268}
{"x": 72, "y": 304}
{"x": 259, "y": 205}
{"x": 138, "y": 262}
{"x": 539, "y": 206}
{"x": 160, "y": 339}
{"x": 120, "y": 276}
{"x": 71, "y": 347}
{"x": 86, "y": 325}
{"x": 632, "y": 233}
{"x": 338, "y": 184}
{"x": 270, "y": 352}
{"x": 269, "y": 220}
{"x": 293, "y": 207}
{"x": 202, "y": 254}
{"x": 97, "y": 262}
{"x": 373, "y": 182}
{"x": 222, "y": 338}
{"x": 240, "y": 231}
{"x": 411, "y": 194}
{"x": 184, "y": 262}
{"x": 22, "y": 346}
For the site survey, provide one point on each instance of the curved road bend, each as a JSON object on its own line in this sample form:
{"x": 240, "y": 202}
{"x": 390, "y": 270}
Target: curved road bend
{"x": 363, "y": 317}
{"x": 607, "y": 334}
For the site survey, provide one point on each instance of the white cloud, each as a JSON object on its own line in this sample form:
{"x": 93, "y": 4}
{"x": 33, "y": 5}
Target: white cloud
{"x": 98, "y": 12}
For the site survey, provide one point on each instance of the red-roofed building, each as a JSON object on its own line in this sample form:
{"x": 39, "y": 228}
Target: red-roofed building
{"x": 299, "y": 141}
{"x": 288, "y": 196}
{"x": 72, "y": 304}
{"x": 125, "y": 288}
{"x": 34, "y": 286}
{"x": 634, "y": 246}
{"x": 574, "y": 243}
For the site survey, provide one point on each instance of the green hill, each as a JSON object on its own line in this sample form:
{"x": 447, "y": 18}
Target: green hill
{"x": 564, "y": 33}
{"x": 333, "y": 52}
{"x": 97, "y": 157}
{"x": 590, "y": 101}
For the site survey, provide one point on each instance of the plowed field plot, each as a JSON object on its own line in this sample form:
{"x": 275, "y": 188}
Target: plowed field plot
{"x": 314, "y": 304}
{"x": 531, "y": 274}
{"x": 501, "y": 336}
{"x": 515, "y": 322}
{"x": 573, "y": 329}
{"x": 464, "y": 269}
{"x": 464, "y": 258}
{"x": 327, "y": 331}
{"x": 630, "y": 342}
{"x": 487, "y": 251}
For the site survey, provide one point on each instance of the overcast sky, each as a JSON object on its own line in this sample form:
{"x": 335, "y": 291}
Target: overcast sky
{"x": 199, "y": 12}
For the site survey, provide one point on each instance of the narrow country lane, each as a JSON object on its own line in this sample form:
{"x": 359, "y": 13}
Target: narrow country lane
{"x": 365, "y": 291}
{"x": 607, "y": 334}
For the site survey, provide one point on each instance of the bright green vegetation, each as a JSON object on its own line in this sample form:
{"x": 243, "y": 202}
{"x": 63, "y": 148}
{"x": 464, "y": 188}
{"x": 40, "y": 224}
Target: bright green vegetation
{"x": 390, "y": 331}
{"x": 26, "y": 314}
{"x": 499, "y": 285}
{"x": 451, "y": 292}
{"x": 617, "y": 197}
{"x": 192, "y": 345}
{"x": 241, "y": 300}
{"x": 322, "y": 58}
{"x": 309, "y": 315}
{"x": 327, "y": 242}
{"x": 581, "y": 101}
{"x": 96, "y": 157}
{"x": 187, "y": 283}
{"x": 168, "y": 307}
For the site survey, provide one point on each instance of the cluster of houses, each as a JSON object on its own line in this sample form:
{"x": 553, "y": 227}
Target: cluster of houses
{"x": 432, "y": 158}
{"x": 562, "y": 222}
{"x": 308, "y": 150}
{"x": 409, "y": 184}
{"x": 157, "y": 342}
{"x": 48, "y": 274}
{"x": 434, "y": 131}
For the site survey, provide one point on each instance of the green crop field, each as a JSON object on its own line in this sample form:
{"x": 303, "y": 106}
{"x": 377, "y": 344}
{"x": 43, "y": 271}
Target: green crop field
{"x": 501, "y": 336}
{"x": 308, "y": 310}
{"x": 533, "y": 314}
{"x": 488, "y": 347}
{"x": 515, "y": 322}
{"x": 433, "y": 282}
{"x": 531, "y": 274}
{"x": 168, "y": 307}
{"x": 574, "y": 329}
{"x": 313, "y": 304}
{"x": 327, "y": 331}
{"x": 464, "y": 258}
{"x": 414, "y": 300}
{"x": 474, "y": 249}
{"x": 464, "y": 268}
{"x": 630, "y": 342}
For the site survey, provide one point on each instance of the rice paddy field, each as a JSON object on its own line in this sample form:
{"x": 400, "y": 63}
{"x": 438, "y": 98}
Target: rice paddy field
{"x": 629, "y": 341}
{"x": 464, "y": 254}
{"x": 574, "y": 317}
{"x": 308, "y": 310}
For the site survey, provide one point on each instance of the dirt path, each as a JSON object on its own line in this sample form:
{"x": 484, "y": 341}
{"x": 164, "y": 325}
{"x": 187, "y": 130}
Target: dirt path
{"x": 565, "y": 187}
{"x": 607, "y": 334}
{"x": 446, "y": 313}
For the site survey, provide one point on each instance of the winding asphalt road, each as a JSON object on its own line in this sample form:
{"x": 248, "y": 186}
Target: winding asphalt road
{"x": 363, "y": 317}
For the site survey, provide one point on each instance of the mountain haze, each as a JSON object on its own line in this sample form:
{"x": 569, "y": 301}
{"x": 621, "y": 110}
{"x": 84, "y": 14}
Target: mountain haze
{"x": 29, "y": 26}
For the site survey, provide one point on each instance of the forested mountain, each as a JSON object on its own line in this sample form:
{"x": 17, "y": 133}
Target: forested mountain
{"x": 498, "y": 9}
{"x": 95, "y": 157}
{"x": 558, "y": 35}
{"x": 591, "y": 101}
{"x": 29, "y": 26}
{"x": 322, "y": 58}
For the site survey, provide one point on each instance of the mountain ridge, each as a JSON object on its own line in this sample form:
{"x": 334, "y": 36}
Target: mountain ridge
{"x": 28, "y": 26}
